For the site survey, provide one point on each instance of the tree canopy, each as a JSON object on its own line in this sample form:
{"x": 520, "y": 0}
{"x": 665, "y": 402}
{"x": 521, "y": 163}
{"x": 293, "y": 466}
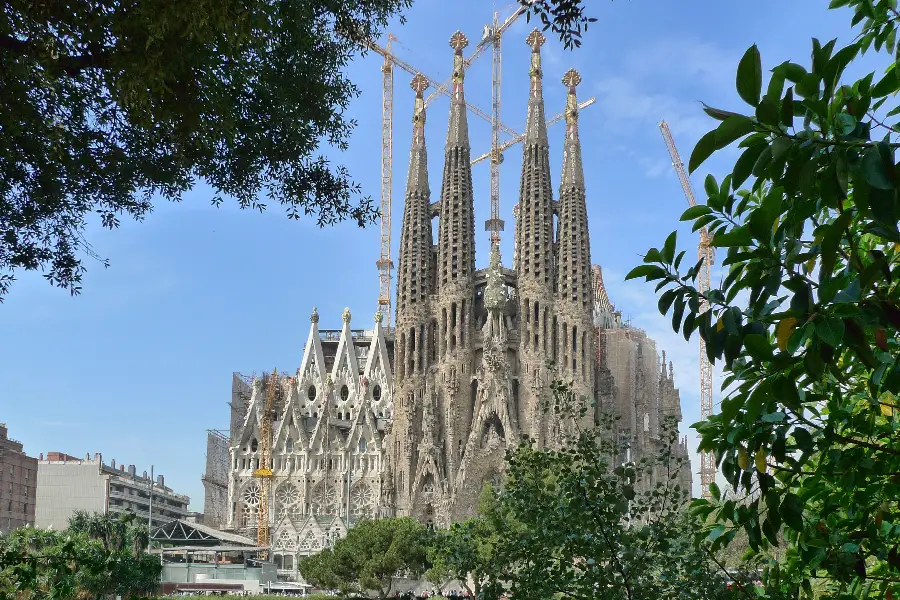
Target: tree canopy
{"x": 369, "y": 557}
{"x": 97, "y": 555}
{"x": 107, "y": 106}
{"x": 806, "y": 316}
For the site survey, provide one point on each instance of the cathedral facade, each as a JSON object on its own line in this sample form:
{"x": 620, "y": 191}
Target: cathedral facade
{"x": 416, "y": 420}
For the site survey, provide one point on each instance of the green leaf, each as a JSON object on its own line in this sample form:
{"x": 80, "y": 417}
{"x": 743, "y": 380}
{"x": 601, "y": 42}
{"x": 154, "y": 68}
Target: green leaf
{"x": 874, "y": 168}
{"x": 668, "y": 251}
{"x": 888, "y": 84}
{"x": 787, "y": 108}
{"x": 758, "y": 346}
{"x": 793, "y": 72}
{"x": 749, "y": 76}
{"x": 767, "y": 110}
{"x": 744, "y": 164}
{"x": 831, "y": 330}
{"x": 732, "y": 128}
{"x": 719, "y": 115}
{"x": 848, "y": 123}
{"x": 738, "y": 236}
{"x": 808, "y": 86}
{"x": 791, "y": 511}
{"x": 780, "y": 146}
{"x": 651, "y": 272}
{"x": 775, "y": 417}
{"x": 665, "y": 301}
{"x": 694, "y": 212}
{"x": 704, "y": 148}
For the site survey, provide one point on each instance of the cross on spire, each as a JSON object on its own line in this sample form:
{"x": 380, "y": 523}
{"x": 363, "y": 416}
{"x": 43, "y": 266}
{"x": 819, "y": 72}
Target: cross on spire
{"x": 535, "y": 39}
{"x": 571, "y": 80}
{"x": 419, "y": 83}
{"x": 459, "y": 41}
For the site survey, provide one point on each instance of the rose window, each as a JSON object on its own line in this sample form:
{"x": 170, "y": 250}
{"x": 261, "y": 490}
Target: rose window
{"x": 287, "y": 496}
{"x": 362, "y": 502}
{"x": 324, "y": 500}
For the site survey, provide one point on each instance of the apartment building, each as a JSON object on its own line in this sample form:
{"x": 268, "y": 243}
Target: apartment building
{"x": 18, "y": 482}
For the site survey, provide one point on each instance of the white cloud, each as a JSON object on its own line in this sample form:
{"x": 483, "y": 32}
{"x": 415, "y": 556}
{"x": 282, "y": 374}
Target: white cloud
{"x": 682, "y": 58}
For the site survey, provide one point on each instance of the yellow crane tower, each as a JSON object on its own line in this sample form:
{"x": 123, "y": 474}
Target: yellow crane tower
{"x": 264, "y": 472}
{"x": 706, "y": 253}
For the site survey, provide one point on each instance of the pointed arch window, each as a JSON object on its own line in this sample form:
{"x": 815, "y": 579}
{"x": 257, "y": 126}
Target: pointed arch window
{"x": 254, "y": 445}
{"x": 345, "y": 392}
{"x": 289, "y": 445}
{"x": 362, "y": 444}
{"x": 311, "y": 393}
{"x": 376, "y": 393}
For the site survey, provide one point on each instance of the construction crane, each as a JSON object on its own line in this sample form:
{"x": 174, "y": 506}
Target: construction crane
{"x": 385, "y": 264}
{"x": 520, "y": 138}
{"x": 706, "y": 254}
{"x": 264, "y": 472}
{"x": 495, "y": 224}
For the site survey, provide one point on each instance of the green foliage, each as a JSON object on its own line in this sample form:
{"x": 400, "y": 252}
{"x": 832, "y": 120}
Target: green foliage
{"x": 368, "y": 558}
{"x": 97, "y": 555}
{"x": 582, "y": 522}
{"x": 806, "y": 317}
{"x": 566, "y": 18}
{"x": 467, "y": 549}
{"x": 108, "y": 104}
{"x": 573, "y": 524}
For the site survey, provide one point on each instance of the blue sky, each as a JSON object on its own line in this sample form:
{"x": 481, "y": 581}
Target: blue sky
{"x": 139, "y": 365}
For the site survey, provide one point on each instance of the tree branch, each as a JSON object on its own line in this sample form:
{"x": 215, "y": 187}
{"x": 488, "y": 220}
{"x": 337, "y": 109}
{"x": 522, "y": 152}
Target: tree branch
{"x": 70, "y": 64}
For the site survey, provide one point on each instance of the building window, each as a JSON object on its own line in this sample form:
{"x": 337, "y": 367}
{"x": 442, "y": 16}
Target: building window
{"x": 288, "y": 562}
{"x": 289, "y": 445}
{"x": 345, "y": 392}
{"x": 254, "y": 445}
{"x": 376, "y": 393}
{"x": 311, "y": 392}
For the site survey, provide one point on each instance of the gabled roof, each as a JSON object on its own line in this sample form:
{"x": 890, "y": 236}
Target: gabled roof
{"x": 184, "y": 533}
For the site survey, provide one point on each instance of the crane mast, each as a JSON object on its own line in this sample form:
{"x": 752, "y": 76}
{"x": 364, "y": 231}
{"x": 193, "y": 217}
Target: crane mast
{"x": 704, "y": 254}
{"x": 264, "y": 472}
{"x": 385, "y": 264}
{"x": 495, "y": 223}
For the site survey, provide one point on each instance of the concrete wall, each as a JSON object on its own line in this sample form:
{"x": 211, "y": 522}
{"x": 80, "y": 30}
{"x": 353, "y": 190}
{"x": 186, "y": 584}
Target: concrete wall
{"x": 251, "y": 577}
{"x": 64, "y": 487}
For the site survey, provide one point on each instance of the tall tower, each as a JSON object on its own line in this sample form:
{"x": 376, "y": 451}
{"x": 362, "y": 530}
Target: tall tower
{"x": 575, "y": 349}
{"x": 413, "y": 314}
{"x": 534, "y": 255}
{"x": 455, "y": 271}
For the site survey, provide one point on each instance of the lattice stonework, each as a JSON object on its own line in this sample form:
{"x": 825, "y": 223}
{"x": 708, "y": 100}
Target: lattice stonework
{"x": 362, "y": 502}
{"x": 288, "y": 502}
{"x": 286, "y": 541}
{"x": 250, "y": 500}
{"x": 324, "y": 500}
{"x": 309, "y": 541}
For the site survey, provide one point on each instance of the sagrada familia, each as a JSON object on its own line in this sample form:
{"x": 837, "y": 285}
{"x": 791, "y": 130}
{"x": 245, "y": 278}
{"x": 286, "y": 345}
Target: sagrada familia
{"x": 416, "y": 420}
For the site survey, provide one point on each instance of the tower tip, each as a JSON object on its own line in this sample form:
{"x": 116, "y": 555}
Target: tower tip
{"x": 571, "y": 79}
{"x": 535, "y": 39}
{"x": 419, "y": 84}
{"x": 458, "y": 41}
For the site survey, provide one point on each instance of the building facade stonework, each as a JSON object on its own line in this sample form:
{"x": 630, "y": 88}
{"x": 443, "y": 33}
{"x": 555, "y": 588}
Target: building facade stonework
{"x": 417, "y": 420}
{"x": 18, "y": 484}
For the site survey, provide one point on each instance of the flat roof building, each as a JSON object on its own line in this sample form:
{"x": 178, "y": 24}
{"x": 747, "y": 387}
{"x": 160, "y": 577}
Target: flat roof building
{"x": 66, "y": 484}
{"x": 18, "y": 482}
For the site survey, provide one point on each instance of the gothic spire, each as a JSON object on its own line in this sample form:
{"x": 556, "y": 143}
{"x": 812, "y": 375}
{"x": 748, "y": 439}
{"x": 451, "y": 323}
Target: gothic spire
{"x": 457, "y": 213}
{"x": 535, "y": 124}
{"x": 415, "y": 238}
{"x": 574, "y": 243}
{"x": 458, "y": 133}
{"x": 534, "y": 225}
{"x": 573, "y": 171}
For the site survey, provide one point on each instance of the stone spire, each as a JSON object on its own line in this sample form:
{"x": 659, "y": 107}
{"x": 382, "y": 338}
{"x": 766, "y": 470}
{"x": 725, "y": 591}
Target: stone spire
{"x": 574, "y": 244}
{"x": 573, "y": 171}
{"x": 536, "y": 124}
{"x": 413, "y": 283}
{"x": 574, "y": 296}
{"x": 534, "y": 253}
{"x": 456, "y": 260}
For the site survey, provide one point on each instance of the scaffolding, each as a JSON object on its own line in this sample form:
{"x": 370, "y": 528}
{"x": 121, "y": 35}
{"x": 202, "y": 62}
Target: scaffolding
{"x": 215, "y": 479}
